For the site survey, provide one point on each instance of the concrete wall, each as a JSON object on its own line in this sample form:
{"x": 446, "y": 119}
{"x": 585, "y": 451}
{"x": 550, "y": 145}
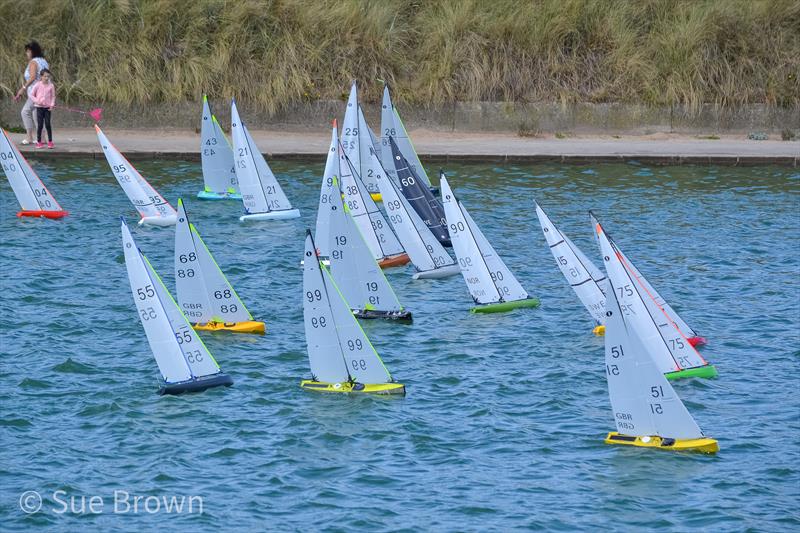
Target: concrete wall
{"x": 459, "y": 116}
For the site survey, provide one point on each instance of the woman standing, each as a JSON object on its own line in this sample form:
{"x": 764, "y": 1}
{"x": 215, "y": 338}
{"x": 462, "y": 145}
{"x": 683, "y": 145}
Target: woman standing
{"x": 36, "y": 63}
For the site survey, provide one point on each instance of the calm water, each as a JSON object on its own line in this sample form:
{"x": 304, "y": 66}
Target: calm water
{"x": 505, "y": 416}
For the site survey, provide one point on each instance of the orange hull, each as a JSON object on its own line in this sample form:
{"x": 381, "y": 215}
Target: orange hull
{"x": 393, "y": 261}
{"x": 43, "y": 214}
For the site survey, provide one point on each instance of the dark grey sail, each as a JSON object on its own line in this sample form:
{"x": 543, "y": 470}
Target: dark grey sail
{"x": 418, "y": 194}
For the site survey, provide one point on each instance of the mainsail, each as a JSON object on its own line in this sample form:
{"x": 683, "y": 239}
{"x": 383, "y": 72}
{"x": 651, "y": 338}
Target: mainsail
{"x": 584, "y": 278}
{"x": 668, "y": 345}
{"x": 152, "y": 207}
{"x": 338, "y": 349}
{"x": 643, "y": 401}
{"x": 419, "y": 195}
{"x": 180, "y": 354}
{"x": 204, "y": 293}
{"x": 261, "y": 193}
{"x": 488, "y": 278}
{"x": 31, "y": 193}
{"x": 392, "y": 127}
{"x": 216, "y": 156}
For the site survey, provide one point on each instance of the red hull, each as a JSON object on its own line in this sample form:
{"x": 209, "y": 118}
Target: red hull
{"x": 43, "y": 214}
{"x": 697, "y": 341}
{"x": 393, "y": 261}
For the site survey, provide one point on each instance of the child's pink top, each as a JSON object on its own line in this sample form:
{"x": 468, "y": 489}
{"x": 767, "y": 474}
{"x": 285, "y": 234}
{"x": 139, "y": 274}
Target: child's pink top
{"x": 43, "y": 95}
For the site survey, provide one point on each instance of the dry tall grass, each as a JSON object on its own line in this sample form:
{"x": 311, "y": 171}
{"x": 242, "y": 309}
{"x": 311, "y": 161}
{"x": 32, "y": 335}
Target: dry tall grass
{"x": 274, "y": 53}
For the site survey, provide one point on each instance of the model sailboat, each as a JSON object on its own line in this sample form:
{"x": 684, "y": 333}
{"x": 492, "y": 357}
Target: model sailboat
{"x": 216, "y": 158}
{"x": 322, "y": 230}
{"x": 184, "y": 361}
{"x": 647, "y": 411}
{"x": 340, "y": 355}
{"x": 671, "y": 350}
{"x": 392, "y": 126}
{"x": 262, "y": 196}
{"x": 490, "y": 282}
{"x": 357, "y": 142}
{"x": 581, "y": 274}
{"x": 419, "y": 196}
{"x": 152, "y": 207}
{"x": 357, "y": 274}
{"x": 33, "y": 197}
{"x": 204, "y": 293}
{"x": 381, "y": 239}
{"x": 654, "y": 302}
{"x": 429, "y": 257}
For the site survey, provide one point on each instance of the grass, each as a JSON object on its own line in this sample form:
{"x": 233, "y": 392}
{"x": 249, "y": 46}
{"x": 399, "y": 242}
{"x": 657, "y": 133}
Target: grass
{"x": 276, "y": 53}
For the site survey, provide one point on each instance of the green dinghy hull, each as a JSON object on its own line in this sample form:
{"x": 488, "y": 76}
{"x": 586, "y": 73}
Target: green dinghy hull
{"x": 707, "y": 371}
{"x": 503, "y": 307}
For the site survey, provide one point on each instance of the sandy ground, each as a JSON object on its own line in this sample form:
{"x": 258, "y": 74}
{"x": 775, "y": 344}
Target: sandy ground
{"x": 446, "y": 145}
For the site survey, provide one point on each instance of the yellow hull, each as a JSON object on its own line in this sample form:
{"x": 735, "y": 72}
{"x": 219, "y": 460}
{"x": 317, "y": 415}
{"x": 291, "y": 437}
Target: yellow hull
{"x": 704, "y": 445}
{"x": 251, "y": 326}
{"x": 600, "y": 331}
{"x": 355, "y": 388}
{"x": 376, "y": 196}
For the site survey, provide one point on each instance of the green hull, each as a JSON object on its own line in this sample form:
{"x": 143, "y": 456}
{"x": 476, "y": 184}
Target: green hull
{"x": 707, "y": 371}
{"x": 502, "y": 307}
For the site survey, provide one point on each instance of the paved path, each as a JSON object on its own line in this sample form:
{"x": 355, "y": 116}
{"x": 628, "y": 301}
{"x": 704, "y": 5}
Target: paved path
{"x": 449, "y": 146}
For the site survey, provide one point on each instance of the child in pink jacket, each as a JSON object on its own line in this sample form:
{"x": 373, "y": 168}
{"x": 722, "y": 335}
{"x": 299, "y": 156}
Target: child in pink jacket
{"x": 43, "y": 95}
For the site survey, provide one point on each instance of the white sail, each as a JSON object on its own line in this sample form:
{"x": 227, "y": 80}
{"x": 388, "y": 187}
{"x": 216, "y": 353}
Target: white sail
{"x": 423, "y": 248}
{"x": 392, "y": 126}
{"x": 655, "y": 303}
{"x": 507, "y": 285}
{"x": 31, "y": 193}
{"x": 643, "y": 401}
{"x": 671, "y": 349}
{"x": 473, "y": 267}
{"x": 322, "y": 236}
{"x": 338, "y": 349}
{"x": 149, "y": 203}
{"x": 216, "y": 155}
{"x": 355, "y": 271}
{"x": 370, "y": 220}
{"x": 369, "y": 163}
{"x": 179, "y": 352}
{"x": 581, "y": 274}
{"x": 199, "y": 280}
{"x": 193, "y": 297}
{"x": 261, "y": 192}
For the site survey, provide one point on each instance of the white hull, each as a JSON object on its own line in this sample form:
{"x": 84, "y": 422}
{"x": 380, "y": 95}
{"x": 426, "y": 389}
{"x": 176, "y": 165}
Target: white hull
{"x": 438, "y": 273}
{"x": 159, "y": 221}
{"x": 272, "y": 215}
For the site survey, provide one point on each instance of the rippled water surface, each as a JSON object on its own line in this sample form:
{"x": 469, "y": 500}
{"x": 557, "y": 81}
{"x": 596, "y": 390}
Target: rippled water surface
{"x": 504, "y": 420}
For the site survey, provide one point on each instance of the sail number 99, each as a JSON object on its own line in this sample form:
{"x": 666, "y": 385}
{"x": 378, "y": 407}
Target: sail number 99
{"x": 314, "y": 296}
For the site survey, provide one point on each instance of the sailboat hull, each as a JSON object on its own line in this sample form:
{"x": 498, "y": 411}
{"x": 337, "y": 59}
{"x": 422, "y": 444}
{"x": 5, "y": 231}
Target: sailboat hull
{"x": 438, "y": 273}
{"x": 250, "y": 326}
{"x": 213, "y": 195}
{"x": 381, "y": 389}
{"x": 704, "y": 445}
{"x": 196, "y": 385}
{"x": 42, "y": 214}
{"x": 170, "y": 220}
{"x": 503, "y": 307}
{"x": 707, "y": 371}
{"x": 697, "y": 341}
{"x": 376, "y": 196}
{"x": 394, "y": 261}
{"x": 272, "y": 215}
{"x": 399, "y": 316}
{"x": 600, "y": 331}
